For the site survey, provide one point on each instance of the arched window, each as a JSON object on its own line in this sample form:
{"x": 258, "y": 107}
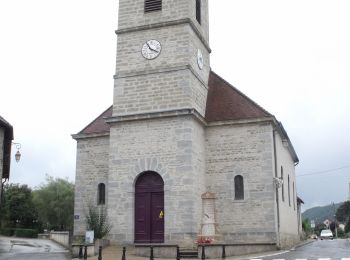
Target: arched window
{"x": 198, "y": 11}
{"x": 101, "y": 194}
{"x": 239, "y": 188}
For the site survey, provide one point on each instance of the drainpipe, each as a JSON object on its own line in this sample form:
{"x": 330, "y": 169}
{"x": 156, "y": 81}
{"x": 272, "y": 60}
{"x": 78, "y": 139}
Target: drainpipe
{"x": 277, "y": 199}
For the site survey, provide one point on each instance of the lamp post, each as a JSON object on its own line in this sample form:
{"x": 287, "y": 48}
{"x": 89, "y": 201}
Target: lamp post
{"x": 18, "y": 154}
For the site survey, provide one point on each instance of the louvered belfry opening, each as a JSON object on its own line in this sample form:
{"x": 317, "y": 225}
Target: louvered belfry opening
{"x": 153, "y": 5}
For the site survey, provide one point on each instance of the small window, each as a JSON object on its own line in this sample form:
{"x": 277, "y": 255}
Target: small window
{"x": 101, "y": 195}
{"x": 294, "y": 195}
{"x": 198, "y": 11}
{"x": 288, "y": 191}
{"x": 282, "y": 183}
{"x": 153, "y": 5}
{"x": 239, "y": 188}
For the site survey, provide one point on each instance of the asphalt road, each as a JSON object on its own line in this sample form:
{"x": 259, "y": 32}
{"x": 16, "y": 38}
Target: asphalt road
{"x": 337, "y": 249}
{"x": 31, "y": 249}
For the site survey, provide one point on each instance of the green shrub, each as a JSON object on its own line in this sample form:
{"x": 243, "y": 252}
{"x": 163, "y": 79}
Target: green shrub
{"x": 97, "y": 220}
{"x": 23, "y": 232}
{"x": 7, "y": 232}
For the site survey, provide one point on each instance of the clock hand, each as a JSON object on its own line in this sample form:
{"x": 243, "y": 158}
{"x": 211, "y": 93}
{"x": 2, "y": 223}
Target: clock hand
{"x": 152, "y": 49}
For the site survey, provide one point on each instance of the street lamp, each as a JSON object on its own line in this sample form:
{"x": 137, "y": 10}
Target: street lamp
{"x": 18, "y": 154}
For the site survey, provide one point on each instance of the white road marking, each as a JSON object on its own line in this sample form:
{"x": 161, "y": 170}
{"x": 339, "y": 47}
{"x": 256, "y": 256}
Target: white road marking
{"x": 324, "y": 259}
{"x": 301, "y": 259}
{"x": 345, "y": 259}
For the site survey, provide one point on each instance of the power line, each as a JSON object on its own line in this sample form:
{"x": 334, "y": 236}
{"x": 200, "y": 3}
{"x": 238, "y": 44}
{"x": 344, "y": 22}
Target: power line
{"x": 324, "y": 172}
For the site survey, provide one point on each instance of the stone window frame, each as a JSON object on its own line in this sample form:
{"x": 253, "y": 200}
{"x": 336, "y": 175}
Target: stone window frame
{"x": 101, "y": 194}
{"x": 239, "y": 180}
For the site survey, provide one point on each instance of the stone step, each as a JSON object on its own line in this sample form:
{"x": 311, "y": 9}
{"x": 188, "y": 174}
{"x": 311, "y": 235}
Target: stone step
{"x": 188, "y": 253}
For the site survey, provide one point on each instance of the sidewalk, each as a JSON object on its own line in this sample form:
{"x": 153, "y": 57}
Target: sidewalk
{"x": 116, "y": 252}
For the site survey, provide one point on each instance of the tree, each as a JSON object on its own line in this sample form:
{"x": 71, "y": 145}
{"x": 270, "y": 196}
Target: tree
{"x": 306, "y": 226}
{"x": 54, "y": 201}
{"x": 18, "y": 209}
{"x": 343, "y": 212}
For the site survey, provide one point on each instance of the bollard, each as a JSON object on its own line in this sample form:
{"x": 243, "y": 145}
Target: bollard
{"x": 151, "y": 257}
{"x": 99, "y": 253}
{"x": 203, "y": 252}
{"x": 85, "y": 252}
{"x": 80, "y": 255}
{"x": 123, "y": 256}
{"x": 177, "y": 253}
{"x": 223, "y": 252}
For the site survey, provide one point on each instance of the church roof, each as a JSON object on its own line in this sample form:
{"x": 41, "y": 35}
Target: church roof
{"x": 225, "y": 102}
{"x": 99, "y": 125}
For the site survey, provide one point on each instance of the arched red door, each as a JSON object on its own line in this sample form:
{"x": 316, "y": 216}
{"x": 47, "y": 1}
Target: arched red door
{"x": 149, "y": 208}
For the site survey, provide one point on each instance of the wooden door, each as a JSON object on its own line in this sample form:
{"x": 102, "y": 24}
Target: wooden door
{"x": 149, "y": 208}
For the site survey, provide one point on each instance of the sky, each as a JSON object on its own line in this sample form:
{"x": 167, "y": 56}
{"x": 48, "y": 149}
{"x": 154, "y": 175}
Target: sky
{"x": 57, "y": 61}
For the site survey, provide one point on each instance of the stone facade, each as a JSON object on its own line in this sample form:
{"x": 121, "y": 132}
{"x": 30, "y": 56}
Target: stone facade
{"x": 195, "y": 131}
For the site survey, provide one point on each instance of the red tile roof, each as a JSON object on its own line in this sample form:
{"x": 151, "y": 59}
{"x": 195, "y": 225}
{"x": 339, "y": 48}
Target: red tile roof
{"x": 98, "y": 125}
{"x": 224, "y": 102}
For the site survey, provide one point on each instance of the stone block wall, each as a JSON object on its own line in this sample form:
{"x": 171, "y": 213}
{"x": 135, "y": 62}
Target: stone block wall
{"x": 174, "y": 148}
{"x": 288, "y": 207}
{"x": 171, "y": 81}
{"x": 91, "y": 169}
{"x": 245, "y": 150}
{"x": 131, "y": 14}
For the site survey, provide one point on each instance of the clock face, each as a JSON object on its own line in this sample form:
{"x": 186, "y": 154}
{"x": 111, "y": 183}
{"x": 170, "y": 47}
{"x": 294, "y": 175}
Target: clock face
{"x": 200, "y": 60}
{"x": 151, "y": 49}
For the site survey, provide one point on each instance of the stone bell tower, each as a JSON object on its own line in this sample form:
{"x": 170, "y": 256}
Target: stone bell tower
{"x": 157, "y": 139}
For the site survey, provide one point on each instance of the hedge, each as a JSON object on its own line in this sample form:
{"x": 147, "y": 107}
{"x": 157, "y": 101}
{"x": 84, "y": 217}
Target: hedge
{"x": 19, "y": 232}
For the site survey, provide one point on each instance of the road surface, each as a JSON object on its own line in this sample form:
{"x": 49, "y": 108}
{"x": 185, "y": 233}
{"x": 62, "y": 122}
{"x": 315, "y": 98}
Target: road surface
{"x": 31, "y": 249}
{"x": 337, "y": 249}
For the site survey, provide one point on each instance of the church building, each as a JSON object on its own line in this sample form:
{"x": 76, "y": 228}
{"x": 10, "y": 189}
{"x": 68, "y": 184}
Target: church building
{"x": 182, "y": 155}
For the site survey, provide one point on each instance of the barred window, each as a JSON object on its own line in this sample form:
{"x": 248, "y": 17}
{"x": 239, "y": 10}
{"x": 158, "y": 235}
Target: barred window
{"x": 101, "y": 194}
{"x": 153, "y": 5}
{"x": 198, "y": 11}
{"x": 239, "y": 188}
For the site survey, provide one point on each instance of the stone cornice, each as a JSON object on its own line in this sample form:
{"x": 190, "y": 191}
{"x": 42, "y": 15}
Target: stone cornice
{"x": 127, "y": 74}
{"x": 155, "y": 115}
{"x": 166, "y": 24}
{"x": 84, "y": 136}
{"x": 242, "y": 121}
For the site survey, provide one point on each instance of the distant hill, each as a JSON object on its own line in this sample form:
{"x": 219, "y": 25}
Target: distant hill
{"x": 320, "y": 214}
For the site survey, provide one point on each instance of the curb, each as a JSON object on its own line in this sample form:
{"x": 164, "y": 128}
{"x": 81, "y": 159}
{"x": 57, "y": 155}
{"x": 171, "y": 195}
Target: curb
{"x": 303, "y": 244}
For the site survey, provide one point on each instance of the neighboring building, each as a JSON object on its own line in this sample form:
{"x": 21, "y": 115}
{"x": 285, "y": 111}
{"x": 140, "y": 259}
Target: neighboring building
{"x": 300, "y": 219}
{"x": 182, "y": 154}
{"x": 6, "y": 137}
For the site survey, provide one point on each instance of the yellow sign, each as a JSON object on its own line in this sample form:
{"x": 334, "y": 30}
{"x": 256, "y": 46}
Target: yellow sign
{"x": 161, "y": 214}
